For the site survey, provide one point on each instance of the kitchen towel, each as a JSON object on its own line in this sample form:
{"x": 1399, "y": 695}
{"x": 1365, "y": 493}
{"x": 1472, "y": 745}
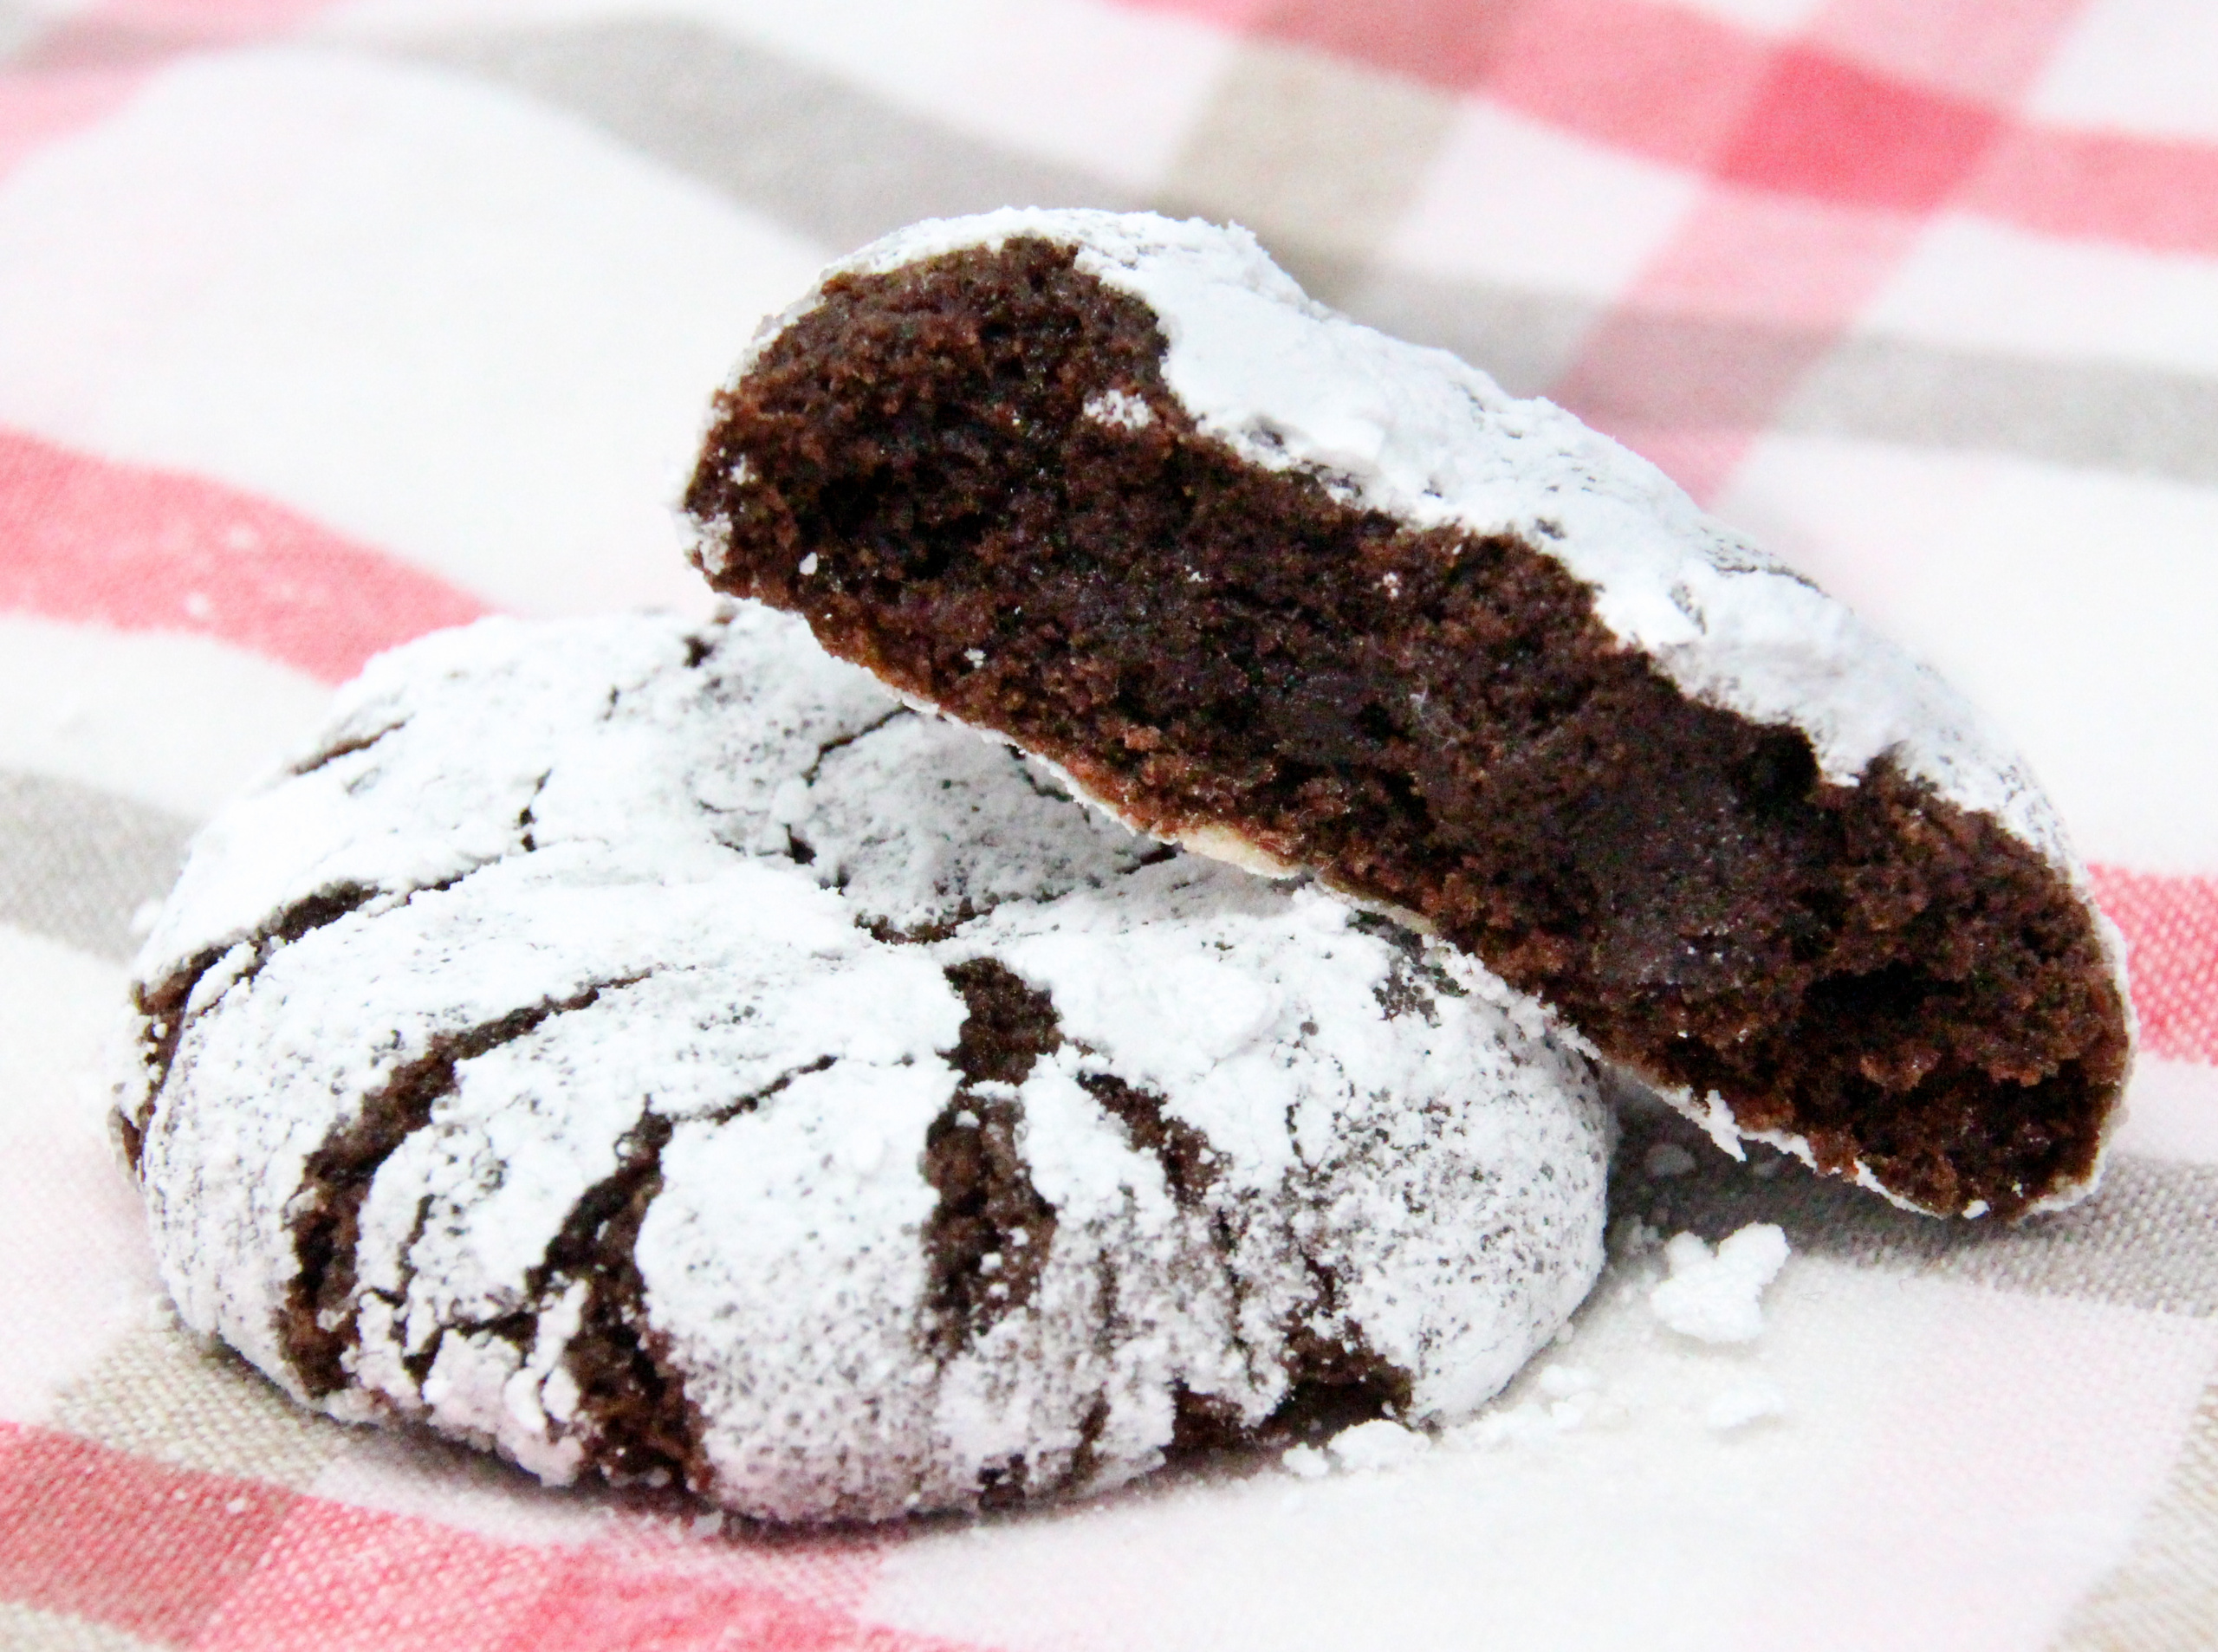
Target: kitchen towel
{"x": 325, "y": 325}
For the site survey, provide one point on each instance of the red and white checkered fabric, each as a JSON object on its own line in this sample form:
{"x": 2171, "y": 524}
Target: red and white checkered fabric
{"x": 322, "y": 325}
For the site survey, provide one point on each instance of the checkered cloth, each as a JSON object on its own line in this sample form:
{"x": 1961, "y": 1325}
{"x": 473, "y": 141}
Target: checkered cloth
{"x": 322, "y": 325}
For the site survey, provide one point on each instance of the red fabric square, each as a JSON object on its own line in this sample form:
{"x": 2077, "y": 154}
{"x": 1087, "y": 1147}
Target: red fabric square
{"x": 1824, "y": 128}
{"x": 138, "y": 1546}
{"x": 88, "y": 540}
{"x": 2171, "y": 938}
{"x": 1440, "y": 43}
{"x": 2157, "y": 193}
{"x": 596, "y": 1601}
{"x": 1655, "y": 80}
{"x": 344, "y": 1579}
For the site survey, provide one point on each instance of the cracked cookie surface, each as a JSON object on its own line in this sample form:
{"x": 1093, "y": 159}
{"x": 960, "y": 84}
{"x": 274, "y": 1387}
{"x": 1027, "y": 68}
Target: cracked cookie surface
{"x": 647, "y": 1050}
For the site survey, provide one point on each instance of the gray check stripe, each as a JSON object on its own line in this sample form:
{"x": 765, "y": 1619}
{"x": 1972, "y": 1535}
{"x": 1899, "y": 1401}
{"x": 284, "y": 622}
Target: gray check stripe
{"x": 820, "y": 157}
{"x": 2138, "y": 420}
{"x": 2163, "y": 1596}
{"x": 19, "y": 27}
{"x": 163, "y": 1393}
{"x": 838, "y": 165}
{"x": 1321, "y": 158}
{"x": 30, "y": 1629}
{"x": 2104, "y": 415}
{"x": 76, "y": 862}
{"x": 2148, "y": 1241}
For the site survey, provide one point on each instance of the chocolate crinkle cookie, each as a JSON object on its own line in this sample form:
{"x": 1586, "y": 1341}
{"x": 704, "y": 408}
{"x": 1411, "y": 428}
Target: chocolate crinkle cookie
{"x": 650, "y": 1050}
{"x": 1267, "y": 584}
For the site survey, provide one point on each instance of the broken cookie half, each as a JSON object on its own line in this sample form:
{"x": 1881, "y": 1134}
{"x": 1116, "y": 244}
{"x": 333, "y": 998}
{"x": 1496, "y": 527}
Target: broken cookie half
{"x": 1270, "y": 584}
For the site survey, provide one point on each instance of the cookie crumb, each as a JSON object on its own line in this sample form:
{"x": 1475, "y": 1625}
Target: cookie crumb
{"x": 1717, "y": 1296}
{"x": 1378, "y": 1444}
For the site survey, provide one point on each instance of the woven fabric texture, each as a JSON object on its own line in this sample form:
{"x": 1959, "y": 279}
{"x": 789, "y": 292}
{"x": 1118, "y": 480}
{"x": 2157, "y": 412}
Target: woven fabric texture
{"x": 322, "y": 326}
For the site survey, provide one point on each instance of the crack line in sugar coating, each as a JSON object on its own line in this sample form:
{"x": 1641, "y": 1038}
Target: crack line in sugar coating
{"x": 525, "y": 818}
{"x": 167, "y": 1004}
{"x": 346, "y": 748}
{"x": 317, "y": 1325}
{"x": 809, "y": 775}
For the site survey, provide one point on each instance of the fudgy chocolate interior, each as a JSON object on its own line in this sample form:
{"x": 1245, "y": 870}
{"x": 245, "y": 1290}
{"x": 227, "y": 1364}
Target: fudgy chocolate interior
{"x": 931, "y": 466}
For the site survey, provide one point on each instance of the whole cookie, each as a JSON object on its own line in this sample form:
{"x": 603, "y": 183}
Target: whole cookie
{"x": 1278, "y": 587}
{"x": 652, "y": 1050}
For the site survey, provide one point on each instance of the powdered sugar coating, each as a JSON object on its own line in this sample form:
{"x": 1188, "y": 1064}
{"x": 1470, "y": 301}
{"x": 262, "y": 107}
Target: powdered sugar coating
{"x": 576, "y": 1031}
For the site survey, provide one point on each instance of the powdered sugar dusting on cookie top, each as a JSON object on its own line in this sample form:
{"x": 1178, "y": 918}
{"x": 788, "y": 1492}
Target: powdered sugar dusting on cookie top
{"x": 656, "y": 1052}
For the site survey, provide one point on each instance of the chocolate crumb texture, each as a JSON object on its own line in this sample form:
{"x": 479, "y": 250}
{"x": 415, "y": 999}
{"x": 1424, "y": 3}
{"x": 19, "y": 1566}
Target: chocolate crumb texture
{"x": 1268, "y": 584}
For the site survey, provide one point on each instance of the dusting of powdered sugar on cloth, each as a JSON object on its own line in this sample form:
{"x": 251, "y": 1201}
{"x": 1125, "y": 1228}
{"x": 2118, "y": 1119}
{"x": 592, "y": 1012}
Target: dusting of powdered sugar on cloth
{"x": 569, "y": 1041}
